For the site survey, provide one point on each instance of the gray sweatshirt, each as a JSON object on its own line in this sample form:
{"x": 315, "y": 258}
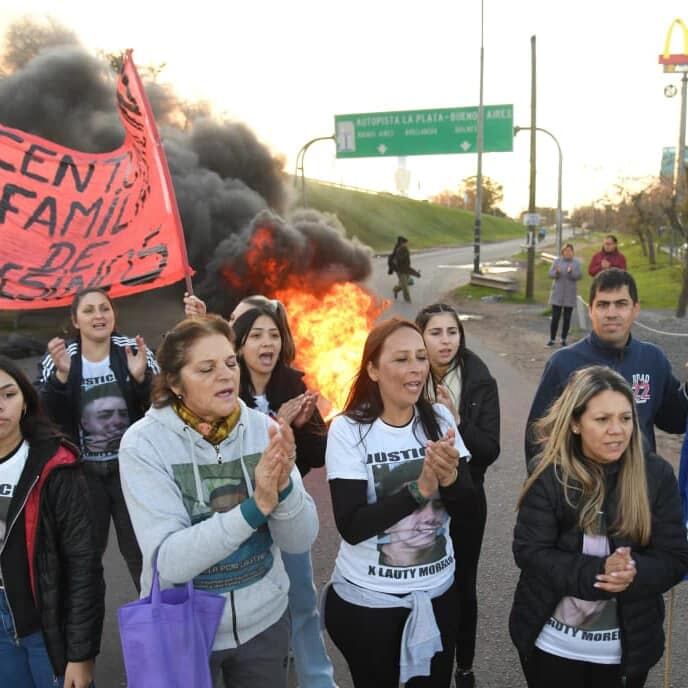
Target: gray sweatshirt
{"x": 184, "y": 497}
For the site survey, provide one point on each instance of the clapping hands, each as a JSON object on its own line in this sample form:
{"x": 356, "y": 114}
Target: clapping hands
{"x": 57, "y": 348}
{"x": 275, "y": 466}
{"x": 137, "y": 362}
{"x": 441, "y": 465}
{"x": 298, "y": 410}
{"x": 619, "y": 571}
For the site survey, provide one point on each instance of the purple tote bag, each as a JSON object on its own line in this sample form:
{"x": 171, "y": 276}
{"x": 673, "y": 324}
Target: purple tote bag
{"x": 168, "y": 636}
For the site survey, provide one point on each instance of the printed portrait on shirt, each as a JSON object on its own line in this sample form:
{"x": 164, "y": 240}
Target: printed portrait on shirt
{"x": 211, "y": 489}
{"x": 104, "y": 419}
{"x": 420, "y": 537}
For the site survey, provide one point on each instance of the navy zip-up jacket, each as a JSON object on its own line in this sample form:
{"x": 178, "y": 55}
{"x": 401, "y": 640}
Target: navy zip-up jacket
{"x": 660, "y": 398}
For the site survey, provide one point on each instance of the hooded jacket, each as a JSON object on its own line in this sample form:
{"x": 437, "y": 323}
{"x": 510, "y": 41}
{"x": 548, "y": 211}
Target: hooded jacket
{"x": 191, "y": 503}
{"x": 63, "y": 401}
{"x": 478, "y": 412}
{"x": 659, "y": 397}
{"x": 51, "y": 568}
{"x": 548, "y": 545}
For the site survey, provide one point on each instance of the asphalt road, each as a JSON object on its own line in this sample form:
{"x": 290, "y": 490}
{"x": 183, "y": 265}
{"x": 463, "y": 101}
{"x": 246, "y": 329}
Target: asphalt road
{"x": 496, "y": 663}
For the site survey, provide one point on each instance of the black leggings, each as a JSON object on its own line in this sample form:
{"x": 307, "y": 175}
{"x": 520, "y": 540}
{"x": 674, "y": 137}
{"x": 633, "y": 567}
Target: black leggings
{"x": 467, "y": 537}
{"x": 543, "y": 670}
{"x": 370, "y": 640}
{"x": 554, "y": 324}
{"x": 107, "y": 501}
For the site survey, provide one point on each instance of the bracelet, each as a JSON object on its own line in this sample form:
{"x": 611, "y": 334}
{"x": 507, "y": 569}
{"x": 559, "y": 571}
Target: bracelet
{"x": 414, "y": 491}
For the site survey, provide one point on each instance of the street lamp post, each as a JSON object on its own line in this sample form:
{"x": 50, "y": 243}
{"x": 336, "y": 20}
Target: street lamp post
{"x": 300, "y": 156}
{"x": 479, "y": 173}
{"x": 559, "y": 182}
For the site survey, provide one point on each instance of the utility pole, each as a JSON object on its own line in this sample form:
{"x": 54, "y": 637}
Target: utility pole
{"x": 479, "y": 173}
{"x": 530, "y": 274}
{"x": 681, "y": 148}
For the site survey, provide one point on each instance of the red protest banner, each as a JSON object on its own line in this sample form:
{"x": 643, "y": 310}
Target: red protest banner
{"x": 70, "y": 220}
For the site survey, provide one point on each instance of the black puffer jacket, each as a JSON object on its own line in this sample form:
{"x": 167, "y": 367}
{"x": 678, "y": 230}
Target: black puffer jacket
{"x": 548, "y": 547}
{"x": 63, "y": 401}
{"x": 286, "y": 383}
{"x": 479, "y": 414}
{"x": 51, "y": 568}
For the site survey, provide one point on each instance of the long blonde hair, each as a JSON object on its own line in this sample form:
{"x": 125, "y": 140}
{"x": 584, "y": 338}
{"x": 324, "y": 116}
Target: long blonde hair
{"x": 582, "y": 479}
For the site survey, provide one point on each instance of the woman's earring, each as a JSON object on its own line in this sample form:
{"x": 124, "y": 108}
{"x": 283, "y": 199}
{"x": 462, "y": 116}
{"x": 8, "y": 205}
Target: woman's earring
{"x": 180, "y": 397}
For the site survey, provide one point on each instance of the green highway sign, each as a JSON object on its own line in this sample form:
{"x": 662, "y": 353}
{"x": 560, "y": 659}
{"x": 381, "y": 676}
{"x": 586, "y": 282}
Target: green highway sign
{"x": 423, "y": 132}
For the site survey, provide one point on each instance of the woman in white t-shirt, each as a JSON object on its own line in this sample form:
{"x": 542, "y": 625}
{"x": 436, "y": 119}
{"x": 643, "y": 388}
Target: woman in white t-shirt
{"x": 397, "y": 473}
{"x": 94, "y": 387}
{"x": 599, "y": 538}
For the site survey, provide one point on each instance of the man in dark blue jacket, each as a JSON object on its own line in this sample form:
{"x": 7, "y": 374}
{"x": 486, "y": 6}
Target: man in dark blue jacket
{"x": 660, "y": 398}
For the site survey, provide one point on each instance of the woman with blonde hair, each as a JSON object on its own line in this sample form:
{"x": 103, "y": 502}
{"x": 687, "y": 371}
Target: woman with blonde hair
{"x": 599, "y": 537}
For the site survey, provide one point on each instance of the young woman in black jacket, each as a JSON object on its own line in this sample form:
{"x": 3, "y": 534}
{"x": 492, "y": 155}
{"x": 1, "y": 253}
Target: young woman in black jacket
{"x": 599, "y": 538}
{"x": 94, "y": 387}
{"x": 51, "y": 578}
{"x": 269, "y": 384}
{"x": 461, "y": 381}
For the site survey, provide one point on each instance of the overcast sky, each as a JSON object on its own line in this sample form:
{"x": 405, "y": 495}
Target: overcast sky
{"x": 286, "y": 68}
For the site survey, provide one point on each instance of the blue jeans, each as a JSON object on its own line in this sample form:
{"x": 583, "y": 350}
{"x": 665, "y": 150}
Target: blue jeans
{"x": 24, "y": 662}
{"x": 313, "y": 666}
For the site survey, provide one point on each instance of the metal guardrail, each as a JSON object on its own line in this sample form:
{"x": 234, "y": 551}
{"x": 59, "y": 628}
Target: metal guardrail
{"x": 494, "y": 281}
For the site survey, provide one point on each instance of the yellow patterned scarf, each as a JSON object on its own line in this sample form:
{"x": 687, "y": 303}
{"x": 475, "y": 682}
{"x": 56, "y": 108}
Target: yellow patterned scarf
{"x": 212, "y": 432}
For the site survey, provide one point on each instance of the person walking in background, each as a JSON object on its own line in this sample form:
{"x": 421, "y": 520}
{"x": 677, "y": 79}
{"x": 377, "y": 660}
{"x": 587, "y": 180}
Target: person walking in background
{"x": 269, "y": 384}
{"x": 661, "y": 399}
{"x": 461, "y": 381}
{"x": 401, "y": 261}
{"x": 52, "y": 594}
{"x": 391, "y": 607}
{"x": 214, "y": 493}
{"x": 94, "y": 387}
{"x": 599, "y": 538}
{"x": 608, "y": 257}
{"x": 565, "y": 273}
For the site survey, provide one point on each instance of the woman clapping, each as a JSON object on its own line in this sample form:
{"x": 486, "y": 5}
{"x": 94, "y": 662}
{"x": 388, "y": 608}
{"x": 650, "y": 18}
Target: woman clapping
{"x": 599, "y": 538}
{"x": 213, "y": 492}
{"x": 397, "y": 472}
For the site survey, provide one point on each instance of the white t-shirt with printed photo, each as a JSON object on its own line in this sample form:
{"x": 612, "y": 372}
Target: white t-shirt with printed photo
{"x": 104, "y": 412}
{"x": 584, "y": 630}
{"x": 415, "y": 553}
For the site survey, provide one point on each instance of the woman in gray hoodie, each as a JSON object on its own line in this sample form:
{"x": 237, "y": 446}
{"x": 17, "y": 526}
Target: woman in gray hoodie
{"x": 212, "y": 489}
{"x": 565, "y": 273}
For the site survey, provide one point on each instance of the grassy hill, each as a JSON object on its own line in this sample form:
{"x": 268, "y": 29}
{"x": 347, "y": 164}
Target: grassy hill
{"x": 377, "y": 219}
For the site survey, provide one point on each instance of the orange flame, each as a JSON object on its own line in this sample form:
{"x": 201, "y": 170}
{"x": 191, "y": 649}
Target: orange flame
{"x": 329, "y": 318}
{"x": 329, "y": 331}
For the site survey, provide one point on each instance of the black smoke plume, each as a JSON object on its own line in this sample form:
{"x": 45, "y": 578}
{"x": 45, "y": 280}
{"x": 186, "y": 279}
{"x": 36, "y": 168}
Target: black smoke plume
{"x": 228, "y": 184}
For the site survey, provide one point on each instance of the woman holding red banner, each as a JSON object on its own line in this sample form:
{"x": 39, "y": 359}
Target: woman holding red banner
{"x": 94, "y": 387}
